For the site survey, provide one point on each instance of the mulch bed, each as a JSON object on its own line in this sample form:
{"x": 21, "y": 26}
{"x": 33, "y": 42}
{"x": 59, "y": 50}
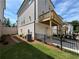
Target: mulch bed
{"x": 7, "y": 41}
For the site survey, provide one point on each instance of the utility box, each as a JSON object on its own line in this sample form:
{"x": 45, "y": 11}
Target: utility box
{"x": 29, "y": 37}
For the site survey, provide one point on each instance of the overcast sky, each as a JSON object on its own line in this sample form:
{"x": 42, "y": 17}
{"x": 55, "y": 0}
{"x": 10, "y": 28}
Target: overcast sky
{"x": 68, "y": 9}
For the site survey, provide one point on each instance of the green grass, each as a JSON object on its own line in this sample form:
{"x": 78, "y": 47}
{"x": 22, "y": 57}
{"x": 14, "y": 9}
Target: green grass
{"x": 34, "y": 51}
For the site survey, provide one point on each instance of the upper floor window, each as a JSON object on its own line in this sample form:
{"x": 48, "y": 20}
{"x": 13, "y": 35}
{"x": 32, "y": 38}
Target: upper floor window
{"x": 30, "y": 1}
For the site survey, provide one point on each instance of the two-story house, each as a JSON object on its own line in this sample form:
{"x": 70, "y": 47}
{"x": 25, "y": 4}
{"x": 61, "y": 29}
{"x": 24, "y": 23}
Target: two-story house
{"x": 2, "y": 7}
{"x": 68, "y": 28}
{"x": 37, "y": 17}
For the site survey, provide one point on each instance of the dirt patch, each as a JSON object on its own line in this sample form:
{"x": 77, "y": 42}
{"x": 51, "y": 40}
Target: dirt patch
{"x": 8, "y": 41}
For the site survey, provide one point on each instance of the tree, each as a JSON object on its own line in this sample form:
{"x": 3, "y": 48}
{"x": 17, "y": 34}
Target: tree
{"x": 75, "y": 24}
{"x": 14, "y": 25}
{"x": 7, "y": 22}
{"x": 77, "y": 29}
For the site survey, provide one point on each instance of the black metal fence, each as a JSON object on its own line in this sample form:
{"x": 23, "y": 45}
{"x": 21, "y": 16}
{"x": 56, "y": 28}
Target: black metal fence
{"x": 68, "y": 43}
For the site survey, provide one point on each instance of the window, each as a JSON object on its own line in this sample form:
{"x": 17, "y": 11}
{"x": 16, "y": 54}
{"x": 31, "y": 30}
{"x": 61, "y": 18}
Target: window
{"x": 30, "y": 18}
{"x": 21, "y": 30}
{"x": 30, "y": 1}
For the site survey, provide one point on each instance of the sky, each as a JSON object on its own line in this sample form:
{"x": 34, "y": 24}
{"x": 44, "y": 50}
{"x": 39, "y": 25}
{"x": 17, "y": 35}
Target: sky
{"x": 12, "y": 6}
{"x": 67, "y": 9}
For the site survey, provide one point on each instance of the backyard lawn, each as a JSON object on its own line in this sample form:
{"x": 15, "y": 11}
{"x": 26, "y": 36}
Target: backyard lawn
{"x": 34, "y": 51}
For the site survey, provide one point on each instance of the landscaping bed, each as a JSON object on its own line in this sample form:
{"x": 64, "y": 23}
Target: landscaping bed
{"x": 6, "y": 40}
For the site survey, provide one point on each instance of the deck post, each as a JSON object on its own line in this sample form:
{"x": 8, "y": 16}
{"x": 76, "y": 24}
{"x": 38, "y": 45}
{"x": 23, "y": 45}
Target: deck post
{"x": 50, "y": 29}
{"x": 57, "y": 30}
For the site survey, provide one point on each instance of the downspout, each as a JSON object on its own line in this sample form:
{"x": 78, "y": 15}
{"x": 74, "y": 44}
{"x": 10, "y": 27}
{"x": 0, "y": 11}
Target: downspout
{"x": 34, "y": 16}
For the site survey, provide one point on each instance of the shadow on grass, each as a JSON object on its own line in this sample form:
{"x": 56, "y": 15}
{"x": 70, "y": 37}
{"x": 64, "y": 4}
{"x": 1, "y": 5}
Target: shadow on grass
{"x": 23, "y": 51}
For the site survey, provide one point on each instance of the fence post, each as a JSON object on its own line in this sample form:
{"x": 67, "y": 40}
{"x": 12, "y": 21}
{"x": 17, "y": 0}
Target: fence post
{"x": 61, "y": 37}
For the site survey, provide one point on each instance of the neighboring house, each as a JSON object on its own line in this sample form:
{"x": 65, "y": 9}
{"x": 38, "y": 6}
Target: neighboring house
{"x": 68, "y": 28}
{"x": 2, "y": 7}
{"x": 54, "y": 30}
{"x": 37, "y": 18}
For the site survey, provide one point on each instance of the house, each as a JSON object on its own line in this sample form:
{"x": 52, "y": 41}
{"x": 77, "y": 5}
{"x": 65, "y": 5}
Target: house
{"x": 68, "y": 28}
{"x": 2, "y": 7}
{"x": 37, "y": 18}
{"x": 54, "y": 30}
